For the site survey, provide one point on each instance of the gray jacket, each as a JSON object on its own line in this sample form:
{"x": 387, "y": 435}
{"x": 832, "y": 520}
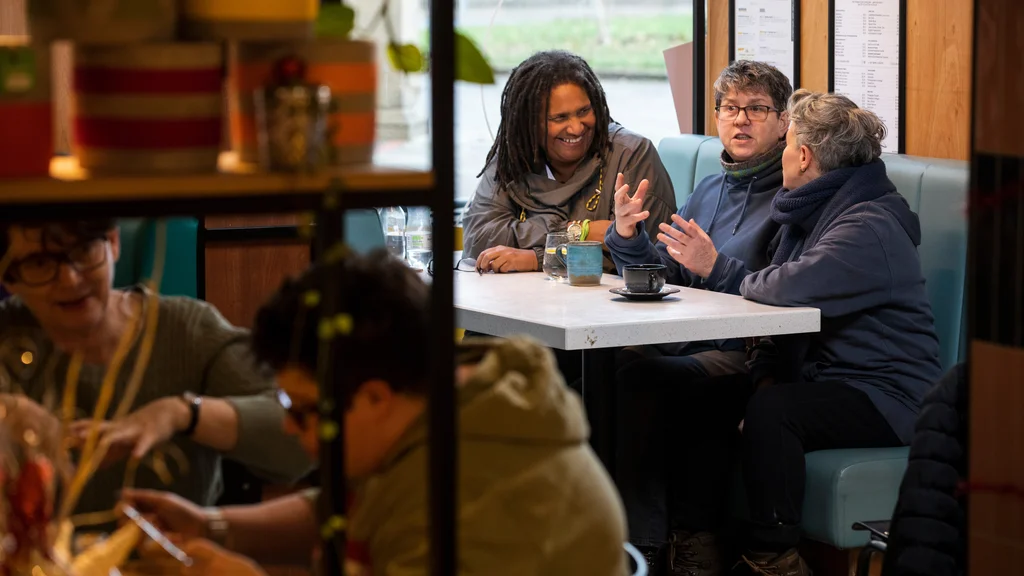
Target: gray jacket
{"x": 493, "y": 215}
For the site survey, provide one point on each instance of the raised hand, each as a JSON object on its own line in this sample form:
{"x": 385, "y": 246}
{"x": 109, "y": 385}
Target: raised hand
{"x": 689, "y": 245}
{"x": 629, "y": 211}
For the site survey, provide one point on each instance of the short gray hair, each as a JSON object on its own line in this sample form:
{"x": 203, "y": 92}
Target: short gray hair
{"x": 840, "y": 133}
{"x": 751, "y": 76}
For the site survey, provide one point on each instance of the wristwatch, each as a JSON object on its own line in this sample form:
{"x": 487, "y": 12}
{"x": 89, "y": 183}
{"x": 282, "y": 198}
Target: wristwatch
{"x": 194, "y": 402}
{"x": 217, "y": 527}
{"x": 574, "y": 230}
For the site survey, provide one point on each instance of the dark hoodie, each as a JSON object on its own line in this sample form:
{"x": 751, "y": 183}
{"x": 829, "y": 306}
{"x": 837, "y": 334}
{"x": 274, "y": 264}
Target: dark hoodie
{"x": 733, "y": 209}
{"x": 861, "y": 268}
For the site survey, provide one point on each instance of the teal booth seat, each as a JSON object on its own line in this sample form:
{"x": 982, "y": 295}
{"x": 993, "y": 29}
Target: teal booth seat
{"x": 363, "y": 233}
{"x": 363, "y": 230}
{"x": 138, "y": 248}
{"x": 846, "y": 486}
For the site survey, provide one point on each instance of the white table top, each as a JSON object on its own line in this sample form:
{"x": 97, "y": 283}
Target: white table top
{"x": 577, "y": 318}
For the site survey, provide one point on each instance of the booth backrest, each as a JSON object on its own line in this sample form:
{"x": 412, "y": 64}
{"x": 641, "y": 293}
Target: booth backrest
{"x": 935, "y": 189}
{"x": 138, "y": 247}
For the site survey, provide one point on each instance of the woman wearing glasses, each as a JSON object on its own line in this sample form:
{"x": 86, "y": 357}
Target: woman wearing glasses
{"x": 201, "y": 390}
{"x": 717, "y": 238}
{"x": 552, "y": 167}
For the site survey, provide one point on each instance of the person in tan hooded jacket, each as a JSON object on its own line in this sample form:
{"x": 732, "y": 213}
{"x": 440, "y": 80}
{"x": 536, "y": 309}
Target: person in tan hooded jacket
{"x": 532, "y": 496}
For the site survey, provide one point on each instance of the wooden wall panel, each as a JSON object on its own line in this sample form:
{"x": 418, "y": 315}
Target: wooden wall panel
{"x": 996, "y": 299}
{"x": 938, "y": 107}
{"x": 253, "y": 220}
{"x": 241, "y": 276}
{"x": 717, "y": 56}
{"x": 12, "y": 18}
{"x": 1000, "y": 81}
{"x": 814, "y": 45}
{"x": 996, "y": 531}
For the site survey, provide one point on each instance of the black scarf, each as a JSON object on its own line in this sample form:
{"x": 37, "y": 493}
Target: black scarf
{"x": 807, "y": 211}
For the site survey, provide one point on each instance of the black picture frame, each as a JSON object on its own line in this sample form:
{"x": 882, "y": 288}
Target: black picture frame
{"x": 794, "y": 31}
{"x": 901, "y": 145}
{"x": 699, "y": 66}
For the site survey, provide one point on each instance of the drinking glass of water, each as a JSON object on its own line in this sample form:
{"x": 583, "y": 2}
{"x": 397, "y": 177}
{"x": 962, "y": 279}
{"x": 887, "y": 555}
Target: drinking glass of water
{"x": 554, "y": 255}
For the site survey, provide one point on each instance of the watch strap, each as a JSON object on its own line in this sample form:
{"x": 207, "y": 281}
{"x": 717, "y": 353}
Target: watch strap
{"x": 194, "y": 402}
{"x": 575, "y": 230}
{"x": 217, "y": 527}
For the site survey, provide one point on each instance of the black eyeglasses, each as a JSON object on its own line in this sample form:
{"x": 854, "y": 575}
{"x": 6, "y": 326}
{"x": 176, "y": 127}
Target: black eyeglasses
{"x": 464, "y": 265}
{"x": 755, "y": 113}
{"x": 41, "y": 268}
{"x": 467, "y": 265}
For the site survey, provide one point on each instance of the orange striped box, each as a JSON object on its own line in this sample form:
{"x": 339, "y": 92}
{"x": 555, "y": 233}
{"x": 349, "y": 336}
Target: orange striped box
{"x": 348, "y": 68}
{"x": 149, "y": 108}
{"x": 26, "y": 111}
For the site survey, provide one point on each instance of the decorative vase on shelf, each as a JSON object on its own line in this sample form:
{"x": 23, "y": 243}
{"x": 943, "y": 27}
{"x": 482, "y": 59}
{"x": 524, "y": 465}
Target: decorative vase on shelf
{"x": 348, "y": 68}
{"x": 292, "y": 120}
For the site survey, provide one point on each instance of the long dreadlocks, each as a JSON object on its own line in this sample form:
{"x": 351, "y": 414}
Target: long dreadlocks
{"x": 524, "y": 105}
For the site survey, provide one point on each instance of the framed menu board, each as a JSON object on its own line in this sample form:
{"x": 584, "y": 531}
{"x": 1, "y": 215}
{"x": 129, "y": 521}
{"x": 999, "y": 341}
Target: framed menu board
{"x": 767, "y": 31}
{"x": 867, "y": 60}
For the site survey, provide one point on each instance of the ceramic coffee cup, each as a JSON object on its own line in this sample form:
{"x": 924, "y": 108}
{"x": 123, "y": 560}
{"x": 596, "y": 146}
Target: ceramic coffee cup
{"x": 644, "y": 278}
{"x": 584, "y": 262}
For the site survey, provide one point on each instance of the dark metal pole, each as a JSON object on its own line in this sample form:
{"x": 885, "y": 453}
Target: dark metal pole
{"x": 443, "y": 448}
{"x": 333, "y": 486}
{"x": 699, "y": 64}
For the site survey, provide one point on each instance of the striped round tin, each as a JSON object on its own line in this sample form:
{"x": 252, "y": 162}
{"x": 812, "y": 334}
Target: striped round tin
{"x": 348, "y": 68}
{"x": 256, "y": 20}
{"x": 149, "y": 108}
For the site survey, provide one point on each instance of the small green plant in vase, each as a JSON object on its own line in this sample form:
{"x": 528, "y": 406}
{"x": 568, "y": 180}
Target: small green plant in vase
{"x": 337, "y": 20}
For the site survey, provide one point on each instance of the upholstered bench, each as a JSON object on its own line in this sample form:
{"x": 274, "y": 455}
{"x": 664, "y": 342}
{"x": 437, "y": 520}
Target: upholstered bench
{"x": 847, "y": 486}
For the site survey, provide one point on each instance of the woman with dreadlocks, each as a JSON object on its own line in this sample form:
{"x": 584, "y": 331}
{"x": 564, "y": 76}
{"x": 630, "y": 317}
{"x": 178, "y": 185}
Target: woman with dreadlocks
{"x": 556, "y": 151}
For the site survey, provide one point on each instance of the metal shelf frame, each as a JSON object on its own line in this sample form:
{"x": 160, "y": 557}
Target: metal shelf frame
{"x": 43, "y": 199}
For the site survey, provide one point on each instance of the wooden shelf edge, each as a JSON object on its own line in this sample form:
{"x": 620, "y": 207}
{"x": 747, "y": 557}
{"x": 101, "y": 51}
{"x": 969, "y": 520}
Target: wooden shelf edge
{"x": 69, "y": 183}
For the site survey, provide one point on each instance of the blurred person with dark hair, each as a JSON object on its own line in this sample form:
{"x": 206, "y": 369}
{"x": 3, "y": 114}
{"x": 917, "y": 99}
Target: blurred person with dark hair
{"x": 532, "y": 497}
{"x": 928, "y": 532}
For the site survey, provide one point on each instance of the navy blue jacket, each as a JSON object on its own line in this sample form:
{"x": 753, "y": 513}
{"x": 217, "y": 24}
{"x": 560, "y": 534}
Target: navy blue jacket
{"x": 864, "y": 274}
{"x": 734, "y": 212}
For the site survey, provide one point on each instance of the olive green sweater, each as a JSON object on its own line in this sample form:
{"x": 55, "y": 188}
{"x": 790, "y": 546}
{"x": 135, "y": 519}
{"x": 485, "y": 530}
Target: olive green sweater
{"x": 533, "y": 499}
{"x": 195, "y": 350}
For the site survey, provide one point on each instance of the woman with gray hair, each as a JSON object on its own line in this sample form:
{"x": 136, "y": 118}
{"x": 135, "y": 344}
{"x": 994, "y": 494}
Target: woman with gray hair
{"x": 847, "y": 246}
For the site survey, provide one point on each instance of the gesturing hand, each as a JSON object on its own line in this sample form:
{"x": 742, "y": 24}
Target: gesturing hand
{"x": 689, "y": 245}
{"x": 136, "y": 434}
{"x": 629, "y": 211}
{"x": 170, "y": 512}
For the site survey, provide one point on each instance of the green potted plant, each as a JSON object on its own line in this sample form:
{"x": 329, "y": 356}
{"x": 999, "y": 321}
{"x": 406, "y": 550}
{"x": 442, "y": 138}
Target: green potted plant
{"x": 337, "y": 20}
